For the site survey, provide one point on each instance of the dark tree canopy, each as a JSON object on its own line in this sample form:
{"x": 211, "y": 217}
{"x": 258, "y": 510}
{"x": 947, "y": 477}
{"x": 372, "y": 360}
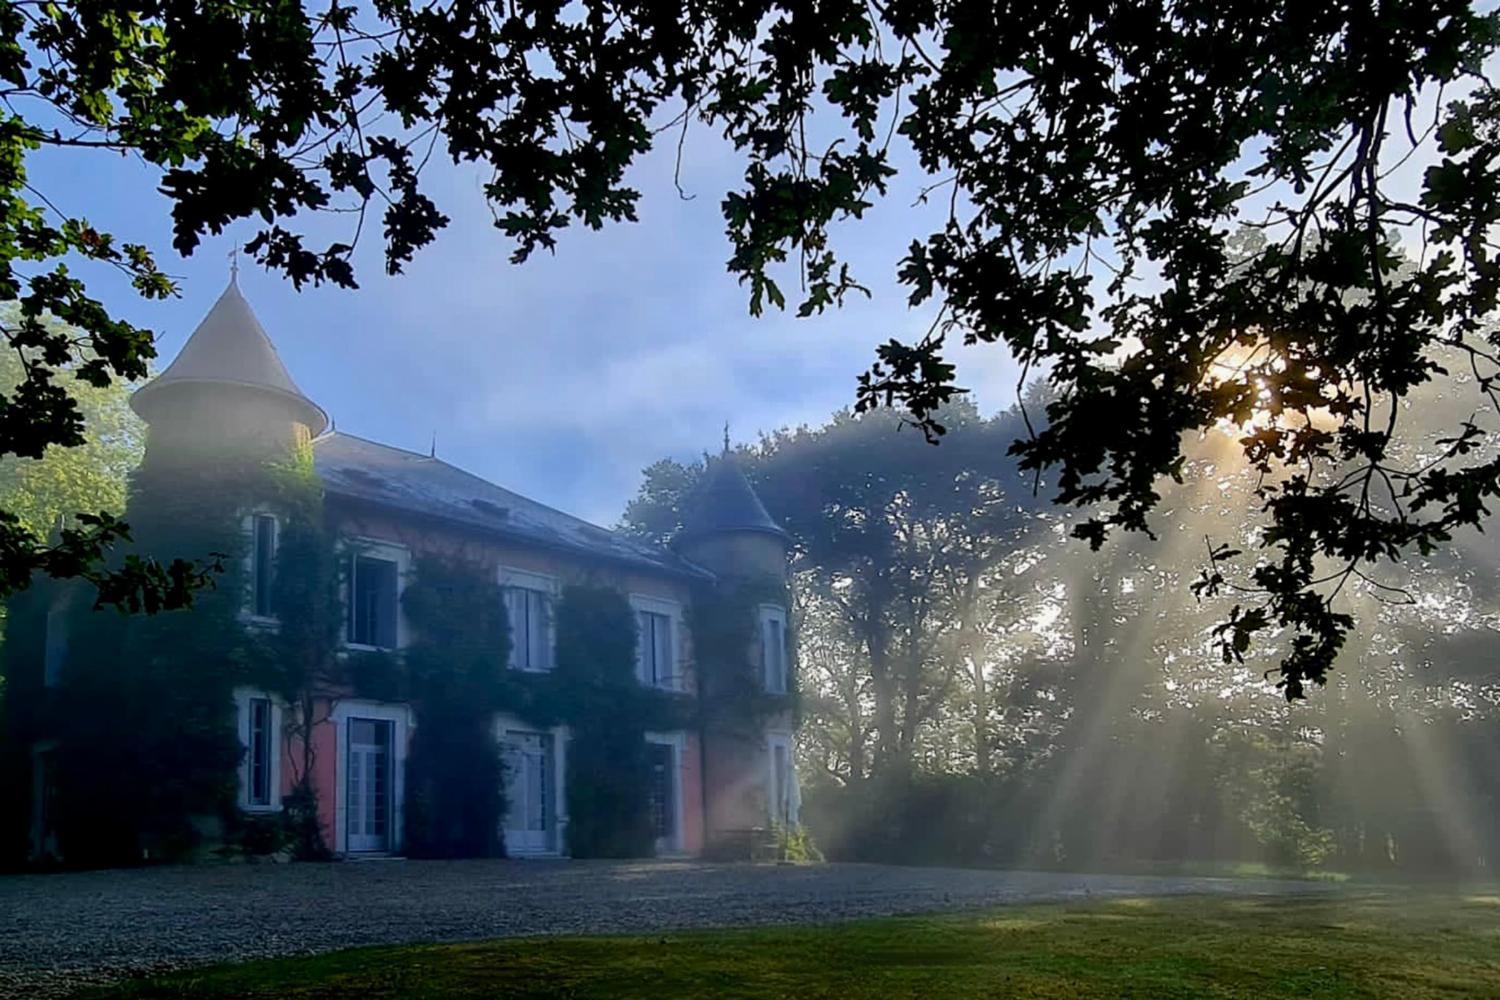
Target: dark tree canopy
{"x": 1096, "y": 162}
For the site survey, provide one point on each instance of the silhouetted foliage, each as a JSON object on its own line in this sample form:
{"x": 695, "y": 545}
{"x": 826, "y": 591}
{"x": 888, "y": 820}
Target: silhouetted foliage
{"x": 901, "y": 549}
{"x": 1092, "y": 162}
{"x": 1087, "y": 720}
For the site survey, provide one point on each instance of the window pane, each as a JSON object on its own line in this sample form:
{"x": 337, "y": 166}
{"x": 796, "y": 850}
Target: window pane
{"x": 536, "y": 802}
{"x": 262, "y": 563}
{"x": 663, "y": 643}
{"x": 515, "y": 614}
{"x": 530, "y": 638}
{"x": 644, "y": 648}
{"x": 260, "y": 751}
{"x": 778, "y": 654}
{"x": 662, "y": 780}
{"x": 773, "y": 651}
{"x": 515, "y": 777}
{"x": 536, "y": 619}
{"x": 544, "y": 782}
{"x": 356, "y": 827}
{"x": 780, "y": 805}
{"x": 765, "y": 653}
{"x": 655, "y": 648}
{"x": 372, "y": 620}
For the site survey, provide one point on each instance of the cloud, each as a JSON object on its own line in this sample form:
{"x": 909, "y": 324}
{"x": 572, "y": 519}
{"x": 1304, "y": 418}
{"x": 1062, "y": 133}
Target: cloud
{"x": 563, "y": 377}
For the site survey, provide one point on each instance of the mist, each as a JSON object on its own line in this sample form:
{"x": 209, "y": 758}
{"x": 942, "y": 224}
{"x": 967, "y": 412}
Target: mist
{"x": 978, "y": 688}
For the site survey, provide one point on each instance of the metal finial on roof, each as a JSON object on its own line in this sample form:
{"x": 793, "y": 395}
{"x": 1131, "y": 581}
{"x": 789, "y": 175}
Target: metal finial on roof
{"x": 726, "y": 437}
{"x": 432, "y": 452}
{"x": 234, "y": 264}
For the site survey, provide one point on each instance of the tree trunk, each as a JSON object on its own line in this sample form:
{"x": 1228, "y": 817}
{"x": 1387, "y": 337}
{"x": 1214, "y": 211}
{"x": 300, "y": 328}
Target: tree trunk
{"x": 969, "y": 651}
{"x": 854, "y": 711}
{"x": 886, "y": 734}
{"x": 981, "y": 708}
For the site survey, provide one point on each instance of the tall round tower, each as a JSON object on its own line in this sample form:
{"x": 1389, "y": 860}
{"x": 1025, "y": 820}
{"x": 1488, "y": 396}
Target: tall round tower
{"x": 749, "y": 775}
{"x": 226, "y": 395}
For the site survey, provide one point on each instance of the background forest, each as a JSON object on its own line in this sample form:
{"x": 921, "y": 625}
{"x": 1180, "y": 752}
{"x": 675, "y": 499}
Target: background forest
{"x": 978, "y": 687}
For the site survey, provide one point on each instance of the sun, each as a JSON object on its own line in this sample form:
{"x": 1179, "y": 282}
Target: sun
{"x": 1264, "y": 372}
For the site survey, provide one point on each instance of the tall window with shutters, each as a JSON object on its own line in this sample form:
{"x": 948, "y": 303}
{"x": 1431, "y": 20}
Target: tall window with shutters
{"x": 773, "y": 651}
{"x": 655, "y": 652}
{"x": 530, "y": 612}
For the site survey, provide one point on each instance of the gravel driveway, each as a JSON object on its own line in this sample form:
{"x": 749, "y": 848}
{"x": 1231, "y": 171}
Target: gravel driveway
{"x": 60, "y": 932}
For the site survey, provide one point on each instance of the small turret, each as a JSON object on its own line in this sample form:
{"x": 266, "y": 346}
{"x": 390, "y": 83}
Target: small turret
{"x": 726, "y": 529}
{"x": 226, "y": 394}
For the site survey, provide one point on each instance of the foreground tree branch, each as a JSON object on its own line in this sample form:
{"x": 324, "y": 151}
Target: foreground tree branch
{"x": 1137, "y": 136}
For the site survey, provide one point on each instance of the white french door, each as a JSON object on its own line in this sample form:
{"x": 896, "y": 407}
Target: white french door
{"x": 663, "y": 804}
{"x": 529, "y": 825}
{"x": 368, "y": 792}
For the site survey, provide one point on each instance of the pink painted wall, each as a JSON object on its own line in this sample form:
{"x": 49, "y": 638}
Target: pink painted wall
{"x": 325, "y": 776}
{"x": 692, "y": 796}
{"x": 325, "y": 768}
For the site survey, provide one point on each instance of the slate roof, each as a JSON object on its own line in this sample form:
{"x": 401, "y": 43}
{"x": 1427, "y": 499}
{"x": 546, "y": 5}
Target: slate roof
{"x": 230, "y": 347}
{"x": 401, "y": 480}
{"x": 726, "y": 502}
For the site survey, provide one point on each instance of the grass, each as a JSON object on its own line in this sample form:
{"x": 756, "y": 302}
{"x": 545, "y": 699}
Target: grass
{"x": 1223, "y": 869}
{"x": 1367, "y": 945}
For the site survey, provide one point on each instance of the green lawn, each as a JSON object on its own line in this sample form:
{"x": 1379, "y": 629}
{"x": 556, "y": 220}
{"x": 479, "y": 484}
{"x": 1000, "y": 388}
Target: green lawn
{"x": 1367, "y": 945}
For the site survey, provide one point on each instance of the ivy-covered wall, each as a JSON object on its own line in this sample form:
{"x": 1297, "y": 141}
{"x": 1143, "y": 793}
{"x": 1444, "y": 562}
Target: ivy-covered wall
{"x": 723, "y": 619}
{"x": 609, "y": 713}
{"x": 456, "y": 677}
{"x": 297, "y": 659}
{"x": 147, "y": 750}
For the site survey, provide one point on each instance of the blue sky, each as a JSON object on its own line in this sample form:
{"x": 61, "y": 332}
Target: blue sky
{"x": 561, "y": 378}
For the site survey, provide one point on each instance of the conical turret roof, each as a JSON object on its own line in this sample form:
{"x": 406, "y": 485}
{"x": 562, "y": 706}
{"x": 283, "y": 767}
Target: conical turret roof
{"x": 726, "y": 502}
{"x": 230, "y": 347}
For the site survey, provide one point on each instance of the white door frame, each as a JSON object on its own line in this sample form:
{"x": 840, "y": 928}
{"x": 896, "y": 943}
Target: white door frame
{"x": 559, "y": 813}
{"x": 773, "y": 790}
{"x": 678, "y": 742}
{"x": 401, "y": 725}
{"x": 519, "y": 782}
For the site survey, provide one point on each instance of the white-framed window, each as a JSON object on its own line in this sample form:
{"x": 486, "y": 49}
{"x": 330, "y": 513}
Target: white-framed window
{"x": 658, "y": 649}
{"x": 782, "y": 796}
{"x": 528, "y": 605}
{"x": 264, "y": 535}
{"x": 773, "y": 648}
{"x": 258, "y": 722}
{"x": 375, "y": 574}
